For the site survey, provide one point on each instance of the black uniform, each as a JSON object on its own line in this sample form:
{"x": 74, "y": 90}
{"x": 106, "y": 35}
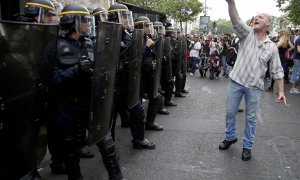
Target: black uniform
{"x": 148, "y": 81}
{"x": 72, "y": 101}
{"x": 136, "y": 113}
{"x": 175, "y": 68}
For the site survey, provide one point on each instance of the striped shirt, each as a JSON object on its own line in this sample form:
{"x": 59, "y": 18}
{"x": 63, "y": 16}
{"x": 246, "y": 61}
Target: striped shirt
{"x": 252, "y": 59}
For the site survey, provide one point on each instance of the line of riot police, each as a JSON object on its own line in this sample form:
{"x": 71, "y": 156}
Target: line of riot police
{"x": 65, "y": 72}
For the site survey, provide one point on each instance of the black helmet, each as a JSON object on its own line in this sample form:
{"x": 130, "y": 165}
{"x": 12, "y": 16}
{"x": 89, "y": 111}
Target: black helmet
{"x": 143, "y": 22}
{"x": 171, "y": 32}
{"x": 79, "y": 15}
{"x": 119, "y": 13}
{"x": 100, "y": 14}
{"x": 91, "y": 9}
{"x": 39, "y": 9}
{"x": 159, "y": 28}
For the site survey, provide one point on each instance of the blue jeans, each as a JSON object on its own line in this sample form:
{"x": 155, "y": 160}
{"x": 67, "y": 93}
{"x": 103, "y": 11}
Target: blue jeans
{"x": 193, "y": 62}
{"x": 224, "y": 64}
{"x": 252, "y": 102}
{"x": 296, "y": 71}
{"x": 228, "y": 69}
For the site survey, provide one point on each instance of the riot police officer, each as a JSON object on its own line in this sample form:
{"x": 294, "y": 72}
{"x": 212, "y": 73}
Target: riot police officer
{"x": 176, "y": 63}
{"x": 149, "y": 68}
{"x": 126, "y": 71}
{"x": 72, "y": 92}
{"x": 100, "y": 15}
{"x": 167, "y": 79}
{"x": 182, "y": 44}
{"x": 39, "y": 11}
{"x": 160, "y": 31}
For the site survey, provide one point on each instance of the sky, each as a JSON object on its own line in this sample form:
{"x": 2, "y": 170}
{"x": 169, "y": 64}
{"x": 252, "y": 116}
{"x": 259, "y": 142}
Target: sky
{"x": 246, "y": 8}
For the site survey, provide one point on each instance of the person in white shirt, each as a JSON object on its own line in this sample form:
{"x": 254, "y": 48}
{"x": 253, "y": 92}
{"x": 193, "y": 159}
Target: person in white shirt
{"x": 195, "y": 47}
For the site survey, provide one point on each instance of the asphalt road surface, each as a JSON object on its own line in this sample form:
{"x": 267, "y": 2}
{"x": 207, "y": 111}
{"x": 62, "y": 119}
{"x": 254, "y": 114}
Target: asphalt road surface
{"x": 188, "y": 147}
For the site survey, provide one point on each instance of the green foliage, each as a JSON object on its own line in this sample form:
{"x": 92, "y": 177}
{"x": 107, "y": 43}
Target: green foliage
{"x": 195, "y": 31}
{"x": 291, "y": 9}
{"x": 179, "y": 10}
{"x": 224, "y": 26}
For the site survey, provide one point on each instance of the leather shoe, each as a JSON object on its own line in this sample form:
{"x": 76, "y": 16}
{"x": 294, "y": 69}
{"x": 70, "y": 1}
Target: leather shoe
{"x": 163, "y": 111}
{"x": 246, "y": 155}
{"x": 153, "y": 127}
{"x": 184, "y": 91}
{"x": 179, "y": 95}
{"x": 226, "y": 144}
{"x": 170, "y": 103}
{"x": 85, "y": 152}
{"x": 143, "y": 144}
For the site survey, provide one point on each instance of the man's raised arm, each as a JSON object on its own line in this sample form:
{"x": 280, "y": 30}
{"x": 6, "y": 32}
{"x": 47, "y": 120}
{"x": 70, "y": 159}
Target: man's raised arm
{"x": 233, "y": 13}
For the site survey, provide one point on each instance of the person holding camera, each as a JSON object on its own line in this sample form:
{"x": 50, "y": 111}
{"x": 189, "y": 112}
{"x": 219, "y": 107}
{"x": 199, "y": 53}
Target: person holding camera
{"x": 195, "y": 48}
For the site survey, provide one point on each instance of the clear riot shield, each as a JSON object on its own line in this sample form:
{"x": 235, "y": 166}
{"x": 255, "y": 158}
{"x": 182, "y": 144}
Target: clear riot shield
{"x": 103, "y": 80}
{"x": 27, "y": 54}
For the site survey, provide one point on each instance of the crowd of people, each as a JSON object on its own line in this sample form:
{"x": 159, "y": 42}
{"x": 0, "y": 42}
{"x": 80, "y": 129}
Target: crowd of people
{"x": 214, "y": 54}
{"x": 211, "y": 53}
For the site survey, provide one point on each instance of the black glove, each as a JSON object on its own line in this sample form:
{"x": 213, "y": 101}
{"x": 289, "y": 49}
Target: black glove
{"x": 84, "y": 65}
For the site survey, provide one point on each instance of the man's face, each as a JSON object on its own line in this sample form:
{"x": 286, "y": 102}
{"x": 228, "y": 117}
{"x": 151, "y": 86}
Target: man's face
{"x": 146, "y": 29}
{"x": 50, "y": 19}
{"x": 84, "y": 27}
{"x": 196, "y": 39}
{"x": 125, "y": 22}
{"x": 261, "y": 22}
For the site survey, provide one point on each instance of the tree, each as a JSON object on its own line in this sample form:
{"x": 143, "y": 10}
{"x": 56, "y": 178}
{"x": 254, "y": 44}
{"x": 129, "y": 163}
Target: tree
{"x": 183, "y": 10}
{"x": 147, "y": 4}
{"x": 224, "y": 26}
{"x": 179, "y": 10}
{"x": 291, "y": 9}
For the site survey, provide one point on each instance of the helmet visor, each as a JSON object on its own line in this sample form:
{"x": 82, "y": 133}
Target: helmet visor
{"x": 85, "y": 25}
{"x": 148, "y": 29}
{"x": 47, "y": 16}
{"x": 161, "y": 30}
{"x": 102, "y": 17}
{"x": 126, "y": 19}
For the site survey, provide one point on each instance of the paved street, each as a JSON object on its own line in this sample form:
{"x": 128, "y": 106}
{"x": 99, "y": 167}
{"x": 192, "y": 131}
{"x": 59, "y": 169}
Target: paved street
{"x": 188, "y": 147}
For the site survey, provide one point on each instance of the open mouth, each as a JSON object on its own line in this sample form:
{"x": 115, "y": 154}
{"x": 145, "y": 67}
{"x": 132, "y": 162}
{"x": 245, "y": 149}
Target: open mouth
{"x": 256, "y": 23}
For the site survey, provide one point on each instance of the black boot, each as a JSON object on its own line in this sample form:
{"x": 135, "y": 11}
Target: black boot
{"x": 163, "y": 111}
{"x": 110, "y": 158}
{"x": 143, "y": 144}
{"x": 153, "y": 127}
{"x": 151, "y": 115}
{"x": 170, "y": 103}
{"x": 178, "y": 94}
